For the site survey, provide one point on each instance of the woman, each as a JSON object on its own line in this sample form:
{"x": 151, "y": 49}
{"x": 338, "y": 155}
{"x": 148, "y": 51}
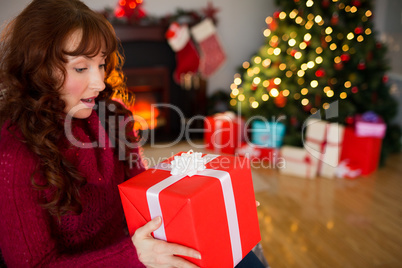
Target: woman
{"x": 61, "y": 154}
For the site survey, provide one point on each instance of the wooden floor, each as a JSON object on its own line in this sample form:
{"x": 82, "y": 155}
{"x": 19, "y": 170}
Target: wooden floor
{"x": 323, "y": 222}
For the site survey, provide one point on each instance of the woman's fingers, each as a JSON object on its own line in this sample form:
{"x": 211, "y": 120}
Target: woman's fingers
{"x": 149, "y": 227}
{"x": 176, "y": 249}
{"x": 257, "y": 203}
{"x": 158, "y": 253}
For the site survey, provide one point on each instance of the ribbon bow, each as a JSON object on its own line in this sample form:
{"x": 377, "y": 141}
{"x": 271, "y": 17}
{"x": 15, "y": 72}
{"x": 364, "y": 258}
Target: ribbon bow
{"x": 187, "y": 164}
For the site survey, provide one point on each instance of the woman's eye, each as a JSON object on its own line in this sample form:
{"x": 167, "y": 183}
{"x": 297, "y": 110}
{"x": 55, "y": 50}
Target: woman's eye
{"x": 102, "y": 66}
{"x": 80, "y": 70}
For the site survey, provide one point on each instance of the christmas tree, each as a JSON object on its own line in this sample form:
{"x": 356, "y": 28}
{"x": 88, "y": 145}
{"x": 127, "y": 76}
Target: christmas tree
{"x": 317, "y": 53}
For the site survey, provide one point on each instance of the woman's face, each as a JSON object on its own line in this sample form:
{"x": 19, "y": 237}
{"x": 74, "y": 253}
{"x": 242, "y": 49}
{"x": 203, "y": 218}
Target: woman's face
{"x": 84, "y": 80}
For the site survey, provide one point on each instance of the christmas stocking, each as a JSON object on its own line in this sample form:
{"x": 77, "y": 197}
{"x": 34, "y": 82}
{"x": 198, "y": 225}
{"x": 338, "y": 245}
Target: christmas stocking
{"x": 187, "y": 58}
{"x": 212, "y": 54}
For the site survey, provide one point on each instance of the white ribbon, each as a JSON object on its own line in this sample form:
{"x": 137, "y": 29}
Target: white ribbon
{"x": 228, "y": 196}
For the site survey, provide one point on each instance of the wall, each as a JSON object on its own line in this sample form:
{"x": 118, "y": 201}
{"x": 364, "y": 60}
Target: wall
{"x": 240, "y": 26}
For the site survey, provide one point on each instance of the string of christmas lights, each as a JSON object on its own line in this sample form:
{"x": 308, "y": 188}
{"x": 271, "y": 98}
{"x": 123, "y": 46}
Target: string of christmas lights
{"x": 311, "y": 56}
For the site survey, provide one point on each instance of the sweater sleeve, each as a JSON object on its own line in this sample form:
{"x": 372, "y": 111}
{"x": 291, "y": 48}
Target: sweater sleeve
{"x": 25, "y": 228}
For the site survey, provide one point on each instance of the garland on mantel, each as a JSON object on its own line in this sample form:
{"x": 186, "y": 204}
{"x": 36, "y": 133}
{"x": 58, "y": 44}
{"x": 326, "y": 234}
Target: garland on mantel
{"x": 181, "y": 16}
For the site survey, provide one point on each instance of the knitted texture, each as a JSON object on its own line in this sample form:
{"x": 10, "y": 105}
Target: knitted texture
{"x": 29, "y": 236}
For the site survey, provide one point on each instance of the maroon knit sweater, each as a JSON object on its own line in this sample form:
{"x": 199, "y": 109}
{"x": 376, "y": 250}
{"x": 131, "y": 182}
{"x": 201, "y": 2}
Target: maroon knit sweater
{"x": 29, "y": 236}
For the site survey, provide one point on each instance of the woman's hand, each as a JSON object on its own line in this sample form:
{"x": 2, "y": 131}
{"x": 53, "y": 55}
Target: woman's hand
{"x": 157, "y": 253}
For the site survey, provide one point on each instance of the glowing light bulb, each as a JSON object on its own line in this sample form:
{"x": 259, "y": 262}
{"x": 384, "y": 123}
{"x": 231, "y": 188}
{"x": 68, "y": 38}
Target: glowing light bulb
{"x": 319, "y": 60}
{"x": 267, "y": 32}
{"x": 256, "y": 70}
{"x": 343, "y": 95}
{"x": 246, "y": 65}
{"x": 256, "y": 80}
{"x": 310, "y": 64}
{"x": 304, "y": 102}
{"x": 237, "y": 81}
{"x": 303, "y": 45}
{"x": 289, "y": 74}
{"x": 325, "y": 106}
{"x": 293, "y": 13}
{"x": 332, "y": 46}
{"x": 348, "y": 84}
{"x": 241, "y": 97}
{"x": 368, "y": 13}
{"x": 265, "y": 83}
{"x": 367, "y": 31}
{"x": 314, "y": 83}
{"x": 328, "y": 38}
{"x": 304, "y": 66}
{"x": 265, "y": 97}
{"x": 292, "y": 42}
{"x": 254, "y": 104}
{"x": 298, "y": 55}
{"x": 300, "y": 73}
{"x": 350, "y": 36}
{"x": 345, "y": 47}
{"x": 277, "y": 51}
{"x": 299, "y": 20}
{"x": 285, "y": 92}
{"x": 274, "y": 92}
{"x": 257, "y": 60}
{"x": 296, "y": 96}
{"x": 277, "y": 81}
{"x": 318, "y": 50}
{"x": 266, "y": 63}
{"x": 328, "y": 30}
{"x": 330, "y": 93}
{"x": 304, "y": 91}
{"x": 282, "y": 66}
{"x": 268, "y": 20}
{"x": 235, "y": 92}
{"x": 282, "y": 15}
{"x": 309, "y": 3}
{"x": 360, "y": 38}
{"x": 233, "y": 102}
{"x": 318, "y": 19}
{"x": 307, "y": 37}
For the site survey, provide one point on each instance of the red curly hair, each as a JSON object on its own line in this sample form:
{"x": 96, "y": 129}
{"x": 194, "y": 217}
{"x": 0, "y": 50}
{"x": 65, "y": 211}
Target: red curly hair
{"x": 31, "y": 54}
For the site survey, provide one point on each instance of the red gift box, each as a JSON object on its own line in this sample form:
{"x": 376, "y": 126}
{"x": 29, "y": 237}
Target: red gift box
{"x": 223, "y": 132}
{"x": 213, "y": 211}
{"x": 362, "y": 153}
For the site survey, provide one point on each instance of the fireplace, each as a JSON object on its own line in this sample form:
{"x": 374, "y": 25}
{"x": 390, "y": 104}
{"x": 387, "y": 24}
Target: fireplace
{"x": 149, "y": 66}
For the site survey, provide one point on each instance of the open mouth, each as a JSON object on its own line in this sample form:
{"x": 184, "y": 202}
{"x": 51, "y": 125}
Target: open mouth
{"x": 88, "y": 100}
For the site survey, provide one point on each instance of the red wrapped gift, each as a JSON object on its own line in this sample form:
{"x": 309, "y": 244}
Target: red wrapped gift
{"x": 224, "y": 132}
{"x": 213, "y": 211}
{"x": 361, "y": 152}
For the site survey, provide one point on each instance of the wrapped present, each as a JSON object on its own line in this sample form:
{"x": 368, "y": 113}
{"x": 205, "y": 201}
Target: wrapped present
{"x": 370, "y": 124}
{"x": 332, "y": 150}
{"x": 267, "y": 134}
{"x": 253, "y": 152}
{"x": 298, "y": 162}
{"x": 363, "y": 153}
{"x": 224, "y": 132}
{"x": 315, "y": 137}
{"x": 206, "y": 202}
